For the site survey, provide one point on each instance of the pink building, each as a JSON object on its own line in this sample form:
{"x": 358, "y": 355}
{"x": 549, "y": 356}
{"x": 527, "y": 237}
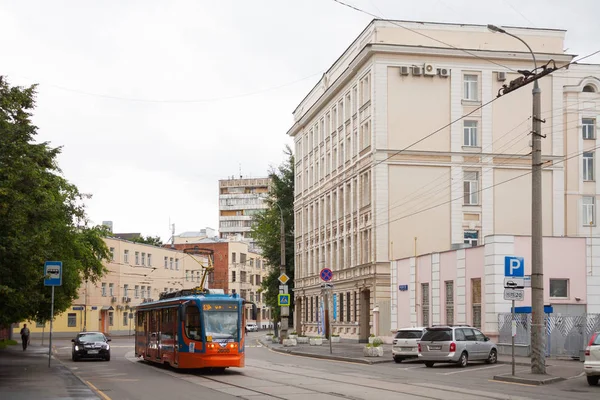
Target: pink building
{"x": 466, "y": 286}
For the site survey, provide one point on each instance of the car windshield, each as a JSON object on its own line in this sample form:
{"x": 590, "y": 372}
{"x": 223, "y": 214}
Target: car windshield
{"x": 437, "y": 335}
{"x": 597, "y": 340}
{"x": 92, "y": 337}
{"x": 409, "y": 334}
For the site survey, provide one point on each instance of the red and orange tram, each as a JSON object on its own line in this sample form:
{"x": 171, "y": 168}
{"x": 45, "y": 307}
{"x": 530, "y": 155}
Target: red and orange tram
{"x": 192, "y": 329}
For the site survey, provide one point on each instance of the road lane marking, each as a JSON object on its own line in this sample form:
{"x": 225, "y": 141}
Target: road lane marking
{"x": 470, "y": 370}
{"x": 100, "y": 392}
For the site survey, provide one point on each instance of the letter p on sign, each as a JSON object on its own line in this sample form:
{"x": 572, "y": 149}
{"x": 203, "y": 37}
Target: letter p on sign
{"x": 514, "y": 266}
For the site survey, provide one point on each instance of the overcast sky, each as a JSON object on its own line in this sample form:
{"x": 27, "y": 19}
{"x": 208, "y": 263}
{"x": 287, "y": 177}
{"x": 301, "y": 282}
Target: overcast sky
{"x": 155, "y": 101}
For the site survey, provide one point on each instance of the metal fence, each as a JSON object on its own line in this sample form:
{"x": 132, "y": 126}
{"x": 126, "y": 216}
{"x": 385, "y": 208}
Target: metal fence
{"x": 566, "y": 335}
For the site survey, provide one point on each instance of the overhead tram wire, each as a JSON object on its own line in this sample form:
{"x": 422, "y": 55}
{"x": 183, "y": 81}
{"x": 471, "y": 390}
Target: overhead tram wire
{"x": 422, "y": 34}
{"x": 577, "y": 154}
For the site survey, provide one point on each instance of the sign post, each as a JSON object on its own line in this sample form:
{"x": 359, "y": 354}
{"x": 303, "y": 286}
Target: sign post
{"x": 284, "y": 306}
{"x": 52, "y": 277}
{"x": 326, "y": 275}
{"x": 514, "y": 284}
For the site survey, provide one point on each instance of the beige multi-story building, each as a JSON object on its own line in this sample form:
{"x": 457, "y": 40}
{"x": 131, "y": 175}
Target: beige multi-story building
{"x": 387, "y": 166}
{"x": 239, "y": 200}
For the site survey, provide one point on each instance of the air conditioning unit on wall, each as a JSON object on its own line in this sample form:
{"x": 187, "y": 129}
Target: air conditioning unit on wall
{"x": 429, "y": 70}
{"x": 444, "y": 72}
{"x": 501, "y": 76}
{"x": 404, "y": 70}
{"x": 417, "y": 70}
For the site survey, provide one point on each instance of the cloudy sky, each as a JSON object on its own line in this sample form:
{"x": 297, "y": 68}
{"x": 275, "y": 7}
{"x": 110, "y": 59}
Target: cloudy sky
{"x": 155, "y": 101}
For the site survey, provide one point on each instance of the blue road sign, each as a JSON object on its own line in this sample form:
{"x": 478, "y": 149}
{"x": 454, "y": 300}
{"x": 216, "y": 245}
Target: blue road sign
{"x": 326, "y": 274}
{"x": 53, "y": 273}
{"x": 514, "y": 266}
{"x": 403, "y": 288}
{"x": 283, "y": 300}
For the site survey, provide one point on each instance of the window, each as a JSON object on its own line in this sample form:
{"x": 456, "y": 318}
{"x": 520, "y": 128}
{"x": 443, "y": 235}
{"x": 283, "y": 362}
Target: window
{"x": 425, "y": 303}
{"x": 136, "y": 292}
{"x": 143, "y": 258}
{"x": 232, "y": 276}
{"x": 111, "y": 318}
{"x": 347, "y": 306}
{"x": 341, "y": 295}
{"x": 470, "y": 88}
{"x": 365, "y": 134}
{"x": 470, "y": 133}
{"x": 149, "y": 293}
{"x": 588, "y": 210}
{"x": 72, "y": 320}
{"x": 112, "y": 254}
{"x": 111, "y": 289}
{"x": 137, "y": 258}
{"x": 171, "y": 262}
{"x": 233, "y": 258}
{"x": 365, "y": 89}
{"x": 166, "y": 262}
{"x": 125, "y": 321}
{"x": 187, "y": 275}
{"x": 471, "y": 188}
{"x": 449, "y": 302}
{"x": 126, "y": 256}
{"x": 242, "y": 258}
{"x": 177, "y": 264}
{"x": 476, "y": 302}
{"x": 126, "y": 290}
{"x": 589, "y": 89}
{"x": 103, "y": 289}
{"x": 471, "y": 237}
{"x": 149, "y": 259}
{"x": 559, "y": 288}
{"x": 588, "y": 128}
{"x": 588, "y": 166}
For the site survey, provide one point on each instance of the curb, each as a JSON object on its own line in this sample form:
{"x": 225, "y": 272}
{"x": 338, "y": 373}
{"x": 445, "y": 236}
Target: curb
{"x": 526, "y": 381}
{"x": 325, "y": 356}
{"x": 518, "y": 363}
{"x": 98, "y": 394}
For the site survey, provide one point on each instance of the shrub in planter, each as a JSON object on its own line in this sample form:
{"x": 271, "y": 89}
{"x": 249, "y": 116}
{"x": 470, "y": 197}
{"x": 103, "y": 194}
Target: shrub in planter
{"x": 372, "y": 351}
{"x": 302, "y": 339}
{"x": 335, "y": 338}
{"x": 316, "y": 341}
{"x": 289, "y": 342}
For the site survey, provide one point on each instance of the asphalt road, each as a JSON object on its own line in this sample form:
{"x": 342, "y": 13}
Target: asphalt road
{"x": 270, "y": 375}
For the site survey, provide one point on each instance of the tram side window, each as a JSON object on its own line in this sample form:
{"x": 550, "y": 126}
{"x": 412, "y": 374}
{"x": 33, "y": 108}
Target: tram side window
{"x": 141, "y": 318}
{"x": 167, "y": 323}
{"x": 192, "y": 323}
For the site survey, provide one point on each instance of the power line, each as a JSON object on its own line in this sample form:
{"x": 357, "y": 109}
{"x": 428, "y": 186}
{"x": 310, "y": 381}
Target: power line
{"x": 518, "y": 12}
{"x": 422, "y": 34}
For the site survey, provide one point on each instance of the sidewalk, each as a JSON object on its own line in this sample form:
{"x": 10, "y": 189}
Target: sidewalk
{"x": 25, "y": 375}
{"x": 352, "y": 351}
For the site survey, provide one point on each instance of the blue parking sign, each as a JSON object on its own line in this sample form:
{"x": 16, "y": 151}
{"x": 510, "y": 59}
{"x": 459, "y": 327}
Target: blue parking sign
{"x": 514, "y": 266}
{"x": 53, "y": 273}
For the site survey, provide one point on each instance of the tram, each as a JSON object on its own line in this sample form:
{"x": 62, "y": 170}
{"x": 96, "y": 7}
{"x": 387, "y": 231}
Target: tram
{"x": 192, "y": 329}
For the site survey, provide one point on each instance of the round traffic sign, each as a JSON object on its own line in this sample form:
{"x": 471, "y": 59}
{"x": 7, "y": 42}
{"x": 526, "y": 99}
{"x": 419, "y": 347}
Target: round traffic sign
{"x": 326, "y": 274}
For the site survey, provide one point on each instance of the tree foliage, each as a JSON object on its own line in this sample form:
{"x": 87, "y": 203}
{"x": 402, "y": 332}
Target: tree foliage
{"x": 267, "y": 229}
{"x": 153, "y": 240}
{"x": 42, "y": 217}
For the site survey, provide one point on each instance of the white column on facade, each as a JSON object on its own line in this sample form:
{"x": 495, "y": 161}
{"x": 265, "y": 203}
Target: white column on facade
{"x": 487, "y": 173}
{"x": 413, "y": 292}
{"x": 496, "y": 249}
{"x": 456, "y": 174}
{"x": 435, "y": 289}
{"x": 557, "y": 135}
{"x": 592, "y": 246}
{"x": 394, "y": 293}
{"x": 461, "y": 288}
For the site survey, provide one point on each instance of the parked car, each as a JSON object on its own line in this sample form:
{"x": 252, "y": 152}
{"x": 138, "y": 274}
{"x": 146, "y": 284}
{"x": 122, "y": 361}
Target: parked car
{"x": 251, "y": 327}
{"x": 405, "y": 344}
{"x": 591, "y": 365}
{"x": 90, "y": 345}
{"x": 456, "y": 344}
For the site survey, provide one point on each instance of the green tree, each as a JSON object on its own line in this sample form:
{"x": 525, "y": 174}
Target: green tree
{"x": 153, "y": 240}
{"x": 266, "y": 230}
{"x": 42, "y": 217}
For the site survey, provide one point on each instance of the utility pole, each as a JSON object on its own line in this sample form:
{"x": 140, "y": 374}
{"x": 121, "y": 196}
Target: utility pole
{"x": 285, "y": 310}
{"x": 538, "y": 331}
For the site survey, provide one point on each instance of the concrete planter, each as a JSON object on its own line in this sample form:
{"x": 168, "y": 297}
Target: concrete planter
{"x": 289, "y": 342}
{"x": 373, "y": 351}
{"x": 269, "y": 338}
{"x": 315, "y": 341}
{"x": 293, "y": 336}
{"x": 302, "y": 339}
{"x": 335, "y": 339}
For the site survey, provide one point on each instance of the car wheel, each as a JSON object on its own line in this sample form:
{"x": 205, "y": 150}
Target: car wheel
{"x": 429, "y": 364}
{"x": 593, "y": 380}
{"x": 463, "y": 360}
{"x": 74, "y": 357}
{"x": 493, "y": 357}
{"x": 398, "y": 360}
{"x": 107, "y": 358}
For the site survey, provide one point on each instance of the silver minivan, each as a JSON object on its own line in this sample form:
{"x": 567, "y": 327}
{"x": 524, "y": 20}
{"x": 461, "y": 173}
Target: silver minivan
{"x": 456, "y": 344}
{"x": 405, "y": 344}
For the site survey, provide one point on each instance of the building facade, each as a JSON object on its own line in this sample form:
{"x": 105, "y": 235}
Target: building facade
{"x": 137, "y": 273}
{"x": 239, "y": 200}
{"x": 402, "y": 148}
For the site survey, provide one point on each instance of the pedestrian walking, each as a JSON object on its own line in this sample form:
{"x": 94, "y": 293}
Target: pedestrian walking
{"x": 25, "y": 336}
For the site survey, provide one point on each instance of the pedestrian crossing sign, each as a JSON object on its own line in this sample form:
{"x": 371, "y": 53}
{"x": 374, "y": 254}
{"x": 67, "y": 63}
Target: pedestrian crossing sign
{"x": 283, "y": 300}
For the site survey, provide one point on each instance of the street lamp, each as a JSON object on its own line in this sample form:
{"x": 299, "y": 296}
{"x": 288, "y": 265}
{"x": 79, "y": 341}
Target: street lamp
{"x": 538, "y": 355}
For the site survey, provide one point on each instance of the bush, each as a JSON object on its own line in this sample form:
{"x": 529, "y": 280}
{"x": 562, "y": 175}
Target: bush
{"x": 377, "y": 342}
{"x": 7, "y": 342}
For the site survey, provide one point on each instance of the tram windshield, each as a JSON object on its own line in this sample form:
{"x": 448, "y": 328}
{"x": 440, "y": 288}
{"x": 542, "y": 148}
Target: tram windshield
{"x": 221, "y": 322}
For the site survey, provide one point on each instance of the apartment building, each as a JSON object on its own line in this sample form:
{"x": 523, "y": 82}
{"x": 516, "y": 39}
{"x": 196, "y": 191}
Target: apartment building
{"x": 137, "y": 273}
{"x": 237, "y": 269}
{"x": 387, "y": 167}
{"x": 239, "y": 200}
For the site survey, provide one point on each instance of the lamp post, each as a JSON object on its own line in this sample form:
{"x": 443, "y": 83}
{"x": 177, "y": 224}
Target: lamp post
{"x": 285, "y": 310}
{"x": 538, "y": 333}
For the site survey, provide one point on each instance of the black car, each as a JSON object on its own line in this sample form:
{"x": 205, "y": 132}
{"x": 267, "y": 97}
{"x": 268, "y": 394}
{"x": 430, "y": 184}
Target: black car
{"x": 91, "y": 345}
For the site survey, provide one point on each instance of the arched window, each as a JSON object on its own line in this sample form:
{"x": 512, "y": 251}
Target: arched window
{"x": 589, "y": 89}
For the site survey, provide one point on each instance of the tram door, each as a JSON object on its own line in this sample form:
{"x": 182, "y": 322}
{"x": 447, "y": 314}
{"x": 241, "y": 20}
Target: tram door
{"x": 153, "y": 335}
